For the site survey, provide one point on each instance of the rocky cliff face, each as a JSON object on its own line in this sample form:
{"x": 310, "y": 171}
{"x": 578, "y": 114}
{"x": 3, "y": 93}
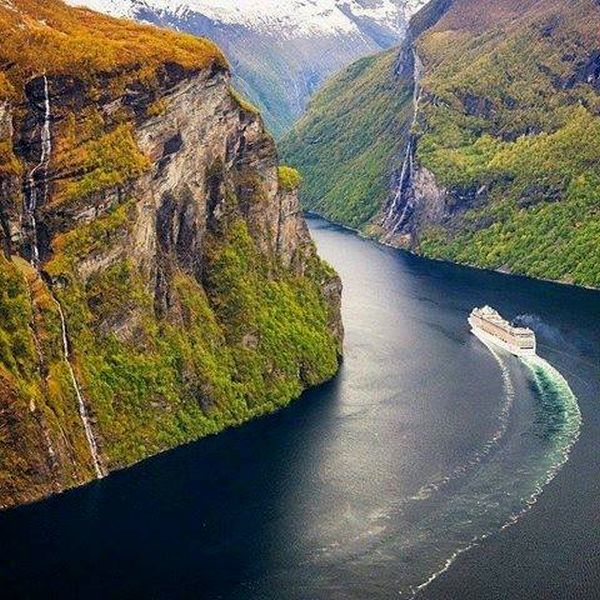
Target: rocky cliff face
{"x": 415, "y": 197}
{"x": 158, "y": 279}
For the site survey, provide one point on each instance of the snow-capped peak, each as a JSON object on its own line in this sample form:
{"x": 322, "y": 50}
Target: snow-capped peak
{"x": 280, "y": 51}
{"x": 289, "y": 18}
{"x": 413, "y": 6}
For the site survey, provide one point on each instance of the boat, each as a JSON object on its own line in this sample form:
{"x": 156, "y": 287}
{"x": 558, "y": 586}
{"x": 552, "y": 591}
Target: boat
{"x": 489, "y": 326}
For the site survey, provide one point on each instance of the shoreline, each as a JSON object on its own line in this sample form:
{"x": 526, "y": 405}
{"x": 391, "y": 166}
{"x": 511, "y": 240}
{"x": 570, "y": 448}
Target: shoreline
{"x": 313, "y": 214}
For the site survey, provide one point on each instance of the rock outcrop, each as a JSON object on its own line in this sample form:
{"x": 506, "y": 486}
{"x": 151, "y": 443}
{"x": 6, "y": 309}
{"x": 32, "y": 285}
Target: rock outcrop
{"x": 177, "y": 290}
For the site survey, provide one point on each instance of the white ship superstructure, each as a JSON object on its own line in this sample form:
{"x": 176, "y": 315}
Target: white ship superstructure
{"x": 487, "y": 324}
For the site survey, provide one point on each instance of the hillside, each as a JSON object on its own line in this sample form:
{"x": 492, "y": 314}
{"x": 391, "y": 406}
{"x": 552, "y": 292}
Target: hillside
{"x": 157, "y": 280}
{"x": 345, "y": 173}
{"x": 280, "y": 51}
{"x": 502, "y": 167}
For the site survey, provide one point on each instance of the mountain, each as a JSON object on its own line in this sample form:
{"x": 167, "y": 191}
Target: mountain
{"x": 346, "y": 141}
{"x": 497, "y": 110}
{"x": 157, "y": 280}
{"x": 280, "y": 51}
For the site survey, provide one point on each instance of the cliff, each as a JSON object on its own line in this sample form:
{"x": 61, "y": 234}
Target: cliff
{"x": 158, "y": 280}
{"x": 498, "y": 154}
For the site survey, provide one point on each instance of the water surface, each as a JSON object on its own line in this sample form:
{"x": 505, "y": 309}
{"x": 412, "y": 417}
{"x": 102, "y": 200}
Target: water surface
{"x": 429, "y": 460}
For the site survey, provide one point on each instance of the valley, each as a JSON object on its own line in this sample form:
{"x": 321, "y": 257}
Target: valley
{"x": 242, "y": 248}
{"x": 280, "y": 52}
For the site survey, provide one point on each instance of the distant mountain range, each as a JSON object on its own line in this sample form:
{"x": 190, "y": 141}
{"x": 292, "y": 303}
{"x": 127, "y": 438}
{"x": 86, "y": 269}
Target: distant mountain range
{"x": 280, "y": 50}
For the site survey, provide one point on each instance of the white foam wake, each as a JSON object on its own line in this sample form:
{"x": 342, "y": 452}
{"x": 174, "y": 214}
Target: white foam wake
{"x": 551, "y": 387}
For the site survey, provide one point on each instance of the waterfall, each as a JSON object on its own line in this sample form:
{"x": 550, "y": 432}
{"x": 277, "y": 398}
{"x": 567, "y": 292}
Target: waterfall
{"x": 31, "y": 201}
{"x": 83, "y": 413}
{"x": 391, "y": 221}
{"x": 31, "y": 205}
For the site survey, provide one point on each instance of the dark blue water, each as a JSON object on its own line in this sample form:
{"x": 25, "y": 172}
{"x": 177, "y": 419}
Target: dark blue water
{"x": 429, "y": 460}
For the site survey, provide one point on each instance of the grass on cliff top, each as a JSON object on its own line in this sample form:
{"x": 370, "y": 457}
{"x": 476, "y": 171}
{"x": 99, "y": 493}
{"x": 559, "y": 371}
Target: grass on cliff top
{"x": 345, "y": 144}
{"x": 243, "y": 102}
{"x": 51, "y": 37}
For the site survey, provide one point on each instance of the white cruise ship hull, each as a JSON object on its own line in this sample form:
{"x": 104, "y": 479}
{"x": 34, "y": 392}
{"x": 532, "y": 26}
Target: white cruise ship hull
{"x": 486, "y": 337}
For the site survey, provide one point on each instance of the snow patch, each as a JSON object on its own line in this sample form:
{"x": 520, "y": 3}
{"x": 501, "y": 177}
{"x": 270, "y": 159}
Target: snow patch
{"x": 280, "y": 18}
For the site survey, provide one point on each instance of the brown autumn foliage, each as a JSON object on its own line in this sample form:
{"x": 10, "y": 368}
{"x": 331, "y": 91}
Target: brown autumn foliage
{"x": 49, "y": 37}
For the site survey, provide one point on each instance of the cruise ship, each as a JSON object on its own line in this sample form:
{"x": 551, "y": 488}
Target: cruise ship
{"x": 487, "y": 324}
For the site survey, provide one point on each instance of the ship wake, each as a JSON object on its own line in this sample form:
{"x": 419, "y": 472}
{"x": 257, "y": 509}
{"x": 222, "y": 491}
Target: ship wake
{"x": 422, "y": 536}
{"x": 490, "y": 445}
{"x": 495, "y": 497}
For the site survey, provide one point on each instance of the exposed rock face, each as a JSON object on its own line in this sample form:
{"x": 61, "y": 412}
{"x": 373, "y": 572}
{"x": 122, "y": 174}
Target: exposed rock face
{"x": 429, "y": 204}
{"x": 191, "y": 291}
{"x": 414, "y": 195}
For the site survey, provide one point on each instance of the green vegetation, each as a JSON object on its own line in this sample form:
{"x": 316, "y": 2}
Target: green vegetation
{"x": 550, "y": 240}
{"x": 289, "y": 178}
{"x": 85, "y": 44}
{"x": 512, "y": 116}
{"x": 17, "y": 352}
{"x": 343, "y": 145}
{"x": 39, "y": 407}
{"x": 508, "y": 123}
{"x": 163, "y": 354}
{"x": 242, "y": 102}
{"x": 248, "y": 347}
{"x": 92, "y": 151}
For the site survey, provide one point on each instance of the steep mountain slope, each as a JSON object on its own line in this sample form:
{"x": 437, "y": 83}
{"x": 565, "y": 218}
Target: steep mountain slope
{"x": 346, "y": 173}
{"x": 158, "y": 282}
{"x": 280, "y": 50}
{"x": 502, "y": 165}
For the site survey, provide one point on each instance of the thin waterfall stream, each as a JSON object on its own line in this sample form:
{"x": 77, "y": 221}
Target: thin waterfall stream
{"x": 406, "y": 171}
{"x": 31, "y": 205}
{"x": 83, "y": 413}
{"x": 31, "y": 200}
